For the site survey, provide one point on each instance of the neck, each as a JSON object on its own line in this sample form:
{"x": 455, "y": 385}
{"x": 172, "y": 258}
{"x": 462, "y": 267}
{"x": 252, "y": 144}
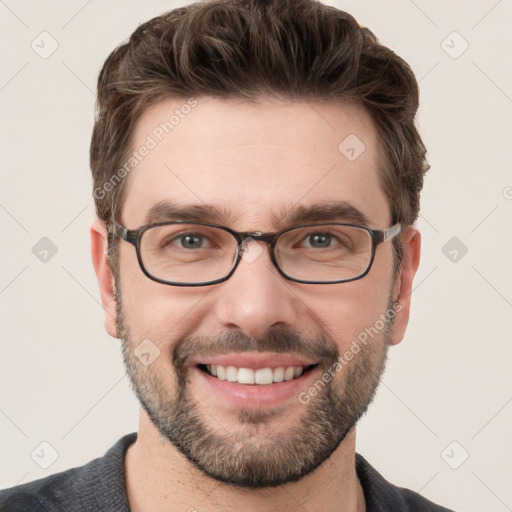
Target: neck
{"x": 160, "y": 478}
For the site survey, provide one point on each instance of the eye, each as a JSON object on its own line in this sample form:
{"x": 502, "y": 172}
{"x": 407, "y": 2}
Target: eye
{"x": 191, "y": 241}
{"x": 328, "y": 240}
{"x": 319, "y": 240}
{"x": 324, "y": 240}
{"x": 187, "y": 241}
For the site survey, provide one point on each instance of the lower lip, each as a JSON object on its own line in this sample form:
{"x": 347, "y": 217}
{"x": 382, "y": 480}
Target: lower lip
{"x": 256, "y": 395}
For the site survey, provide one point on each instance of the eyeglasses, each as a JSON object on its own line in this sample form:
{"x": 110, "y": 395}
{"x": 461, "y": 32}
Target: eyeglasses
{"x": 181, "y": 253}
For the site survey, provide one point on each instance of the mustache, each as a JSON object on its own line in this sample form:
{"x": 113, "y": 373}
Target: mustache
{"x": 279, "y": 340}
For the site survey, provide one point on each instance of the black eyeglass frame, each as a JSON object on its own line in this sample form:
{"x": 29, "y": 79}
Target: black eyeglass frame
{"x": 134, "y": 236}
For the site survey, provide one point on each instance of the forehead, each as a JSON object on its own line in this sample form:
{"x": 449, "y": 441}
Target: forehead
{"x": 252, "y": 164}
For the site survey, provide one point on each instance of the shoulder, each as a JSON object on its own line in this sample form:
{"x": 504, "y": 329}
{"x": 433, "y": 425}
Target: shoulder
{"x": 97, "y": 485}
{"x": 382, "y": 496}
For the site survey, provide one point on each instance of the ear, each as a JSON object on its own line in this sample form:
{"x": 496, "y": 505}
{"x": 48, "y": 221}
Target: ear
{"x": 99, "y": 237}
{"x": 411, "y": 242}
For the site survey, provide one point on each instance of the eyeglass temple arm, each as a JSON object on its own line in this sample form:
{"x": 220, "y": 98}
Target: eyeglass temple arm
{"x": 125, "y": 233}
{"x": 387, "y": 234}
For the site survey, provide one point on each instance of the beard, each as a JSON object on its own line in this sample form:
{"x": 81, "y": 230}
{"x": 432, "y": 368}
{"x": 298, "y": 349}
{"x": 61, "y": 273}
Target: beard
{"x": 244, "y": 456}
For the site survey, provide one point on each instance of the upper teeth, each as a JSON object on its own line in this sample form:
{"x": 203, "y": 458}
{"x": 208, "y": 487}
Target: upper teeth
{"x": 250, "y": 376}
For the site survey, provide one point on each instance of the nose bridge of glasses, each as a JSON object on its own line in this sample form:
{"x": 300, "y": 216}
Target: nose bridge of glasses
{"x": 257, "y": 236}
{"x": 253, "y": 236}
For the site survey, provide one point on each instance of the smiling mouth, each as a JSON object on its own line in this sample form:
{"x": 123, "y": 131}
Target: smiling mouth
{"x": 259, "y": 376}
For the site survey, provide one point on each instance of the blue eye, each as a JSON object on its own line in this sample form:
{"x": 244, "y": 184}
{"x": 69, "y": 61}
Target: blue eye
{"x": 319, "y": 240}
{"x": 190, "y": 241}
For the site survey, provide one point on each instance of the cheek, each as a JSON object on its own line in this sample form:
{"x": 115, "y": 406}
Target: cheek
{"x": 158, "y": 312}
{"x": 344, "y": 311}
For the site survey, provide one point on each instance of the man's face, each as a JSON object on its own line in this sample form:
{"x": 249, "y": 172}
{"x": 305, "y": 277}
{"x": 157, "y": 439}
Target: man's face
{"x": 255, "y": 165}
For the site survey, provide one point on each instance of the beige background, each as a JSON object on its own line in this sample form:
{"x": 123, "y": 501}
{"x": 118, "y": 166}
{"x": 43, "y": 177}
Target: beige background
{"x": 62, "y": 379}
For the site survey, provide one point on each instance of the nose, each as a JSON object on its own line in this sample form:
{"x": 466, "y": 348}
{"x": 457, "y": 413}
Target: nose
{"x": 256, "y": 297}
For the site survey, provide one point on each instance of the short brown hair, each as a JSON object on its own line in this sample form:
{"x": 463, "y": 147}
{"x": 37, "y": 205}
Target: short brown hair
{"x": 249, "y": 50}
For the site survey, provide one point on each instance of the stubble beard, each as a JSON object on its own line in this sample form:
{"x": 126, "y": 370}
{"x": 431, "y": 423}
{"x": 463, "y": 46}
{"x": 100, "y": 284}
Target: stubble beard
{"x": 256, "y": 454}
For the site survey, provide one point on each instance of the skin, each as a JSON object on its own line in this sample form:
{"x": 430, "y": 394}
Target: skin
{"x": 251, "y": 161}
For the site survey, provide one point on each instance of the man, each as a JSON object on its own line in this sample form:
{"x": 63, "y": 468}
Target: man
{"x": 257, "y": 174}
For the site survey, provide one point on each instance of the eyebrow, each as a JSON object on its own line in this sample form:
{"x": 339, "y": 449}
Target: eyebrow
{"x": 322, "y": 212}
{"x": 165, "y": 211}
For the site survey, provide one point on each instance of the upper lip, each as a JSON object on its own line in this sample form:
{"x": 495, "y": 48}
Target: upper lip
{"x": 255, "y": 360}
